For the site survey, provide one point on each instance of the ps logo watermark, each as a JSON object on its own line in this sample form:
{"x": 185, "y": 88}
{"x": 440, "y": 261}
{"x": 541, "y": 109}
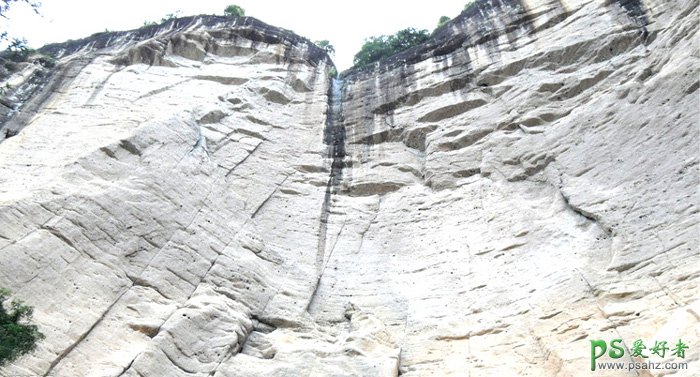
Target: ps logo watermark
{"x": 616, "y": 349}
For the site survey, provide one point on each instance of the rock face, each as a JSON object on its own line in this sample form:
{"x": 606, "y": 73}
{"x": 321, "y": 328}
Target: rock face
{"x": 201, "y": 199}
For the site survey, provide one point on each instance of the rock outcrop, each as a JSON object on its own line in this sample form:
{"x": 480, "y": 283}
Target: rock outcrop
{"x": 201, "y": 199}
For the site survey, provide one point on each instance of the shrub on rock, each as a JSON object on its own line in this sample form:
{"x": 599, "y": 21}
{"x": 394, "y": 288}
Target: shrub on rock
{"x": 17, "y": 335}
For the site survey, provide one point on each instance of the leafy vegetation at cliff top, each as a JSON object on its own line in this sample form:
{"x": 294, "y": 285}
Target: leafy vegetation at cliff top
{"x": 17, "y": 50}
{"x": 170, "y": 16}
{"x": 383, "y": 46}
{"x": 443, "y": 20}
{"x": 17, "y": 336}
{"x": 469, "y": 4}
{"x": 164, "y": 19}
{"x": 234, "y": 10}
{"x": 326, "y": 46}
{"x": 18, "y": 55}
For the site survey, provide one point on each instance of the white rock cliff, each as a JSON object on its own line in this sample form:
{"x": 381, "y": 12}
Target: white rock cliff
{"x": 200, "y": 198}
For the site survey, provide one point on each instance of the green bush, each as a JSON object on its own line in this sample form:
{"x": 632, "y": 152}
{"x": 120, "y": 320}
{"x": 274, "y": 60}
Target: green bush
{"x": 234, "y": 11}
{"x": 469, "y": 5}
{"x": 18, "y": 50}
{"x": 170, "y": 16}
{"x": 17, "y": 336}
{"x": 326, "y": 46}
{"x": 443, "y": 20}
{"x": 377, "y": 48}
{"x": 333, "y": 72}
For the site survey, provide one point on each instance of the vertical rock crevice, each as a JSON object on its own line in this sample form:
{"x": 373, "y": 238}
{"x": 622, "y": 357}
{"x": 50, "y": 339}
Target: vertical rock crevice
{"x": 334, "y": 138}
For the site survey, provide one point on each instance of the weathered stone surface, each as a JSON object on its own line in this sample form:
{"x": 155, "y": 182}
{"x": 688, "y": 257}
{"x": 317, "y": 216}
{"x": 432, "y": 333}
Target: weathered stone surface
{"x": 141, "y": 206}
{"x": 201, "y": 199}
{"x": 532, "y": 189}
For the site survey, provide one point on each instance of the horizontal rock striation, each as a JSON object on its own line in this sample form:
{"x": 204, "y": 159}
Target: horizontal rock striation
{"x": 160, "y": 211}
{"x": 200, "y": 198}
{"x": 521, "y": 183}
{"x": 181, "y": 37}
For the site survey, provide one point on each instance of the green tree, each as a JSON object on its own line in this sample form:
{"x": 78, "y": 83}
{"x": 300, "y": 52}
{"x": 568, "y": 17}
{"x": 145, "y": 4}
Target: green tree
{"x": 383, "y": 46}
{"x": 469, "y": 5}
{"x": 326, "y": 46}
{"x": 170, "y": 16}
{"x": 234, "y": 11}
{"x": 17, "y": 336}
{"x": 443, "y": 20}
{"x": 18, "y": 50}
